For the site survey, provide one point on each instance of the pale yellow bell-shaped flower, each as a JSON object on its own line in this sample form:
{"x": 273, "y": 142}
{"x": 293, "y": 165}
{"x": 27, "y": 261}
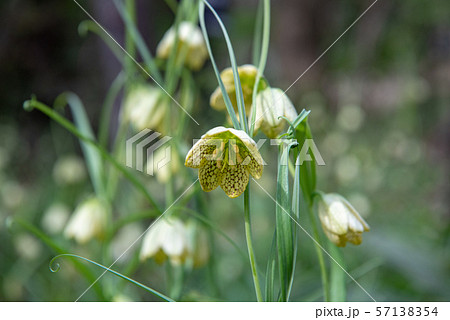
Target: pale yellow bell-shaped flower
{"x": 272, "y": 104}
{"x": 146, "y": 108}
{"x": 189, "y": 35}
{"x": 225, "y": 157}
{"x": 340, "y": 221}
{"x": 166, "y": 239}
{"x": 88, "y": 221}
{"x": 247, "y": 77}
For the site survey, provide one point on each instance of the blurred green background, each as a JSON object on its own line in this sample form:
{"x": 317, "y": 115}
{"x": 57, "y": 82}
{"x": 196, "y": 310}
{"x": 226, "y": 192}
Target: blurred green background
{"x": 380, "y": 114}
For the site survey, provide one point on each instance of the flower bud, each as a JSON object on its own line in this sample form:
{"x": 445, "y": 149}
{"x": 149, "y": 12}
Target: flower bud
{"x": 189, "y": 35}
{"x": 89, "y": 220}
{"x": 340, "y": 221}
{"x": 145, "y": 108}
{"x": 272, "y": 104}
{"x": 247, "y": 77}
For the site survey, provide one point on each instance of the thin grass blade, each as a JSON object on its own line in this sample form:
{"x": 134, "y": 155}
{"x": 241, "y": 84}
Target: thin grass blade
{"x": 92, "y": 157}
{"x": 226, "y": 98}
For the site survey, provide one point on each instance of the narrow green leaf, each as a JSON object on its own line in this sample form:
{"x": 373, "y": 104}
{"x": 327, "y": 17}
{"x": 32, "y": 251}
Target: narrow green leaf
{"x": 257, "y": 34}
{"x": 226, "y": 98}
{"x": 312, "y": 165}
{"x": 89, "y": 25}
{"x": 92, "y": 157}
{"x": 56, "y": 267}
{"x": 296, "y": 196}
{"x": 173, "y": 5}
{"x": 105, "y": 118}
{"x": 284, "y": 223}
{"x": 237, "y": 80}
{"x": 140, "y": 43}
{"x": 262, "y": 59}
{"x": 171, "y": 74}
{"x": 130, "y": 66}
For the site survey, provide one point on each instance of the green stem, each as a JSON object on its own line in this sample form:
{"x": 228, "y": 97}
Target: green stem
{"x": 177, "y": 275}
{"x": 129, "y": 44}
{"x": 319, "y": 245}
{"x": 251, "y": 254}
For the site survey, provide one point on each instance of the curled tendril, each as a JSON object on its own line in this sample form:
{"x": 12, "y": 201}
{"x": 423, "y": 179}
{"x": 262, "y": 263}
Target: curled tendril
{"x": 29, "y": 104}
{"x": 55, "y": 267}
{"x": 287, "y": 120}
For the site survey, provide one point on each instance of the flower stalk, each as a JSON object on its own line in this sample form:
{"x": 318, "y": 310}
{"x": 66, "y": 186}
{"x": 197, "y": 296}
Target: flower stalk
{"x": 251, "y": 253}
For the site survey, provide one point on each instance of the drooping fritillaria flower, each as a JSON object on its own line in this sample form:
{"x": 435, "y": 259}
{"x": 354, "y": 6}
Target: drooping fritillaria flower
{"x": 225, "y": 157}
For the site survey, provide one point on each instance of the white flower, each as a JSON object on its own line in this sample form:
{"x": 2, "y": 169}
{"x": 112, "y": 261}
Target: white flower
{"x": 55, "y": 218}
{"x": 69, "y": 170}
{"x": 89, "y": 220}
{"x": 271, "y": 104}
{"x": 170, "y": 238}
{"x": 340, "y": 221}
{"x": 145, "y": 107}
{"x": 198, "y": 247}
{"x": 189, "y": 35}
{"x": 167, "y": 238}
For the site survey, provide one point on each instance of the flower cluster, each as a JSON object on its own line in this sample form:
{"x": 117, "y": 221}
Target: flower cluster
{"x": 272, "y": 105}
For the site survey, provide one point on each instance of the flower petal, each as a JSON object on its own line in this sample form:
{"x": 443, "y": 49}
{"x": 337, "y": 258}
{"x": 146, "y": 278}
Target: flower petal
{"x": 173, "y": 238}
{"x": 209, "y": 175}
{"x": 151, "y": 244}
{"x": 250, "y": 161}
{"x": 197, "y": 153}
{"x": 215, "y": 131}
{"x": 234, "y": 180}
{"x": 249, "y": 153}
